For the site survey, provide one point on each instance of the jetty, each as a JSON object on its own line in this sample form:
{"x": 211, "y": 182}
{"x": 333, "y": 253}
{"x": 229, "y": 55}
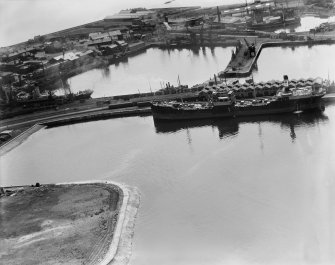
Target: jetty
{"x": 244, "y": 57}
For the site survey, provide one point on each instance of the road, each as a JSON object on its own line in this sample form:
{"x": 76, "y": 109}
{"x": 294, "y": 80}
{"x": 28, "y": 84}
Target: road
{"x": 26, "y": 120}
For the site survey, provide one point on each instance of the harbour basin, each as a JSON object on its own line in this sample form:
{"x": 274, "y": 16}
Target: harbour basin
{"x": 239, "y": 191}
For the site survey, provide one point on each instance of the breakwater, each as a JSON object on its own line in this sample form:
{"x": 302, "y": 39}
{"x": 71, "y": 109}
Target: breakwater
{"x": 5, "y": 148}
{"x": 97, "y": 116}
{"x": 113, "y": 113}
{"x": 246, "y": 69}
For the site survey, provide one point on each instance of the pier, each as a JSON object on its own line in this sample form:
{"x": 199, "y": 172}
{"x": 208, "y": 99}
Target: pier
{"x": 241, "y": 66}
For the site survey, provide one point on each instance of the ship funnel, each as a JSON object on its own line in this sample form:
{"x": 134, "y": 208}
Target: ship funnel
{"x": 318, "y": 84}
{"x": 285, "y": 84}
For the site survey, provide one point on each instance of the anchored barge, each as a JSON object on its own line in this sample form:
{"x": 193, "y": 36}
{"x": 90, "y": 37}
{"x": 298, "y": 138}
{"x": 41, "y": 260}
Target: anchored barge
{"x": 286, "y": 100}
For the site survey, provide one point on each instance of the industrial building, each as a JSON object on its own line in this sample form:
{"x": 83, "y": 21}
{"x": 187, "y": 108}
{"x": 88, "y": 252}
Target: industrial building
{"x": 130, "y": 17}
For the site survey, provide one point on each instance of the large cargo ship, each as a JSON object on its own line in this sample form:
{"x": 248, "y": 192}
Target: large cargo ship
{"x": 285, "y": 101}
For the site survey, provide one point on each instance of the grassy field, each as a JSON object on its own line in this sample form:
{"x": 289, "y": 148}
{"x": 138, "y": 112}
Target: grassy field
{"x": 70, "y": 224}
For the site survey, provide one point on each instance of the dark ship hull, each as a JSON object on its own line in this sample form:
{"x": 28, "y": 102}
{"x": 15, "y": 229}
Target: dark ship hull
{"x": 277, "y": 106}
{"x": 274, "y": 25}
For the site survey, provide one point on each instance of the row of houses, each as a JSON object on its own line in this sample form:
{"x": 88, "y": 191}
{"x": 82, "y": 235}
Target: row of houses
{"x": 35, "y": 62}
{"x": 66, "y": 62}
{"x": 21, "y": 67}
{"x": 19, "y": 54}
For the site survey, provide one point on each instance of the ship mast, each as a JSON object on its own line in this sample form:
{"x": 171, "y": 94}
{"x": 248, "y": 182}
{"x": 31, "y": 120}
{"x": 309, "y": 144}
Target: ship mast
{"x": 282, "y": 10}
{"x": 150, "y": 86}
{"x": 179, "y": 86}
{"x": 246, "y": 7}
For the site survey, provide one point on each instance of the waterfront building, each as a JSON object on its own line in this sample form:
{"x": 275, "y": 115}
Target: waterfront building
{"x": 100, "y": 42}
{"x": 19, "y": 55}
{"x": 114, "y": 35}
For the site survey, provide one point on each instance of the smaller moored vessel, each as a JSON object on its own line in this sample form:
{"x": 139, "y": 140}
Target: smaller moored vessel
{"x": 273, "y": 23}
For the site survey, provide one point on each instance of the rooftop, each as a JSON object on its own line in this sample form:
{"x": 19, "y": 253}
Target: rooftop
{"x": 67, "y": 56}
{"x": 99, "y": 35}
{"x": 128, "y": 14}
{"x": 124, "y": 16}
{"x": 100, "y": 41}
{"x": 70, "y": 56}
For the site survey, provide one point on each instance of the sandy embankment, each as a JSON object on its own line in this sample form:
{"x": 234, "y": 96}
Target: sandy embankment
{"x": 70, "y": 224}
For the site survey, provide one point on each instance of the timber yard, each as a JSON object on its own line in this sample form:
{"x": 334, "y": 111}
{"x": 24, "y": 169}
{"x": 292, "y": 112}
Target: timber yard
{"x": 78, "y": 108}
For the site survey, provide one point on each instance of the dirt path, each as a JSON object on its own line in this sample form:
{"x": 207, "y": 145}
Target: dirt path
{"x": 70, "y": 224}
{"x": 101, "y": 247}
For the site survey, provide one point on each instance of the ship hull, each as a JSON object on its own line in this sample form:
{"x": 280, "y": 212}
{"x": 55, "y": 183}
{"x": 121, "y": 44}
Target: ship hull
{"x": 265, "y": 26}
{"x": 276, "y": 107}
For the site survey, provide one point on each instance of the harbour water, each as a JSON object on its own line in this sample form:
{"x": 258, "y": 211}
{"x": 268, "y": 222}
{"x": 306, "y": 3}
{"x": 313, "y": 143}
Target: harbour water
{"x": 152, "y": 70}
{"x": 155, "y": 67}
{"x": 259, "y": 190}
{"x": 296, "y": 62}
{"x": 240, "y": 191}
{"x": 307, "y": 23}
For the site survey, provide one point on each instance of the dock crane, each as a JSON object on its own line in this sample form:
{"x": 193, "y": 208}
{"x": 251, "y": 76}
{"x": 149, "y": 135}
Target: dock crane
{"x": 218, "y": 13}
{"x": 251, "y": 48}
{"x": 193, "y": 34}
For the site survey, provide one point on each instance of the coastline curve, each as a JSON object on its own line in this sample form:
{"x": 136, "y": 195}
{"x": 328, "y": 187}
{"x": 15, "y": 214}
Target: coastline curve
{"x": 120, "y": 248}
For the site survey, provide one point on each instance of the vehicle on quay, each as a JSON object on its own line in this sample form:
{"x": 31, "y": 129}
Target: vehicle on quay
{"x": 85, "y": 94}
{"x": 287, "y": 100}
{"x": 6, "y": 135}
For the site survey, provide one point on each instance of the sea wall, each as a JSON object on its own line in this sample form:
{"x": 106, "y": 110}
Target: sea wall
{"x": 120, "y": 248}
{"x": 19, "y": 139}
{"x": 98, "y": 116}
{"x": 245, "y": 73}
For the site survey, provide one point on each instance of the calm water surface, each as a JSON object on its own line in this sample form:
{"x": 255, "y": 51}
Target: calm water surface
{"x": 307, "y": 23}
{"x": 151, "y": 69}
{"x": 156, "y": 66}
{"x": 296, "y": 62}
{"x": 258, "y": 191}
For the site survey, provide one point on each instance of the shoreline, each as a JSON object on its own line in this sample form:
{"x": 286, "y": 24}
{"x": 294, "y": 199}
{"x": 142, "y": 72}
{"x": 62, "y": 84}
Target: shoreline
{"x": 125, "y": 221}
{"x": 246, "y": 70}
{"x": 118, "y": 113}
{"x": 76, "y": 118}
{"x": 16, "y": 141}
